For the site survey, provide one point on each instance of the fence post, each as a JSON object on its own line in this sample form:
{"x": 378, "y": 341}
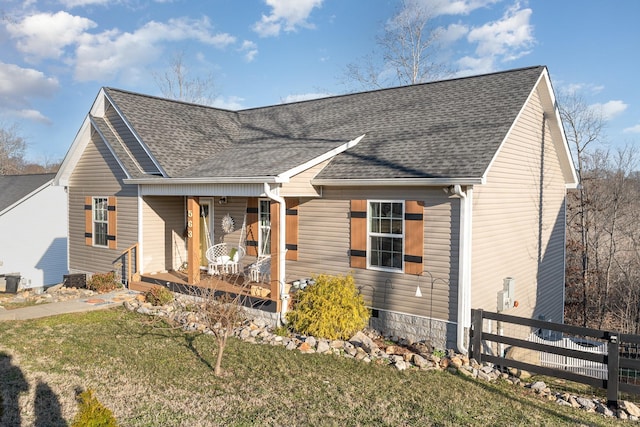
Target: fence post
{"x": 476, "y": 343}
{"x": 613, "y": 365}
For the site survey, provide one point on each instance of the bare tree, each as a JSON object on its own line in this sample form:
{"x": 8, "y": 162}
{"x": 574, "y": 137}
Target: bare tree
{"x": 176, "y": 83}
{"x": 407, "y": 51}
{"x": 12, "y": 150}
{"x": 216, "y": 308}
{"x": 583, "y": 126}
{"x": 220, "y": 313}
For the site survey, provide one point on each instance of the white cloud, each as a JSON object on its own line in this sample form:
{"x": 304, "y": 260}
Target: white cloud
{"x": 506, "y": 36}
{"x": 286, "y": 15}
{"x": 610, "y": 109}
{"x": 77, "y": 3}
{"x": 453, "y": 33}
{"x": 104, "y": 55}
{"x": 305, "y": 97}
{"x": 632, "y": 129}
{"x": 45, "y": 35}
{"x": 456, "y": 7}
{"x": 582, "y": 87}
{"x": 32, "y": 115}
{"x": 506, "y": 39}
{"x": 18, "y": 85}
{"x": 233, "y": 103}
{"x": 250, "y": 50}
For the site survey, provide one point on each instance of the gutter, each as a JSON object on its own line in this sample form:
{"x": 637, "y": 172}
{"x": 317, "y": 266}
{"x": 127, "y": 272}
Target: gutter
{"x": 398, "y": 182}
{"x": 282, "y": 244}
{"x": 464, "y": 267}
{"x": 204, "y": 180}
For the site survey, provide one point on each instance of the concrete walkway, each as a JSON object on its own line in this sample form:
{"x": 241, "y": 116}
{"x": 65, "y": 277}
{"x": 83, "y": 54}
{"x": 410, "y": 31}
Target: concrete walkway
{"x": 94, "y": 302}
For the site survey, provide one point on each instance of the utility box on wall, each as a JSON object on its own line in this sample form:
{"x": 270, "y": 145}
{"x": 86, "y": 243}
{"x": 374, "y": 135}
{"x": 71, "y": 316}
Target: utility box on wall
{"x": 507, "y": 296}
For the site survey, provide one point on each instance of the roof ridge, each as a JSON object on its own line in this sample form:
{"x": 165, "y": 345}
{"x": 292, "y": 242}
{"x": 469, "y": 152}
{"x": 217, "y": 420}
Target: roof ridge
{"x": 474, "y": 76}
{"x": 384, "y": 89}
{"x": 159, "y": 98}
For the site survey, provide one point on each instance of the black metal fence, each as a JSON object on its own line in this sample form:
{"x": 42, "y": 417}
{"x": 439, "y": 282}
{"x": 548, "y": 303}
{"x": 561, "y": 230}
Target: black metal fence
{"x": 620, "y": 355}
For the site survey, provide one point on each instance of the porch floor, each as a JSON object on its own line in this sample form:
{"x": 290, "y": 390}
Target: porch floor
{"x": 177, "y": 281}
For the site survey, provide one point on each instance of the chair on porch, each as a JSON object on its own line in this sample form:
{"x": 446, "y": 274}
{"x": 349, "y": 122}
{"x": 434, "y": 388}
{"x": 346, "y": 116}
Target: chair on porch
{"x": 224, "y": 259}
{"x": 260, "y": 269}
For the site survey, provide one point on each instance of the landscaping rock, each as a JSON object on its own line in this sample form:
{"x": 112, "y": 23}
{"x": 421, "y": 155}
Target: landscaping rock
{"x": 323, "y": 346}
{"x": 604, "y": 410}
{"x": 538, "y": 386}
{"x": 586, "y": 403}
{"x": 629, "y": 407}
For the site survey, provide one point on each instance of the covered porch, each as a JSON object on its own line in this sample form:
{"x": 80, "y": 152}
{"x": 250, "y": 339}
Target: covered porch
{"x": 178, "y": 233}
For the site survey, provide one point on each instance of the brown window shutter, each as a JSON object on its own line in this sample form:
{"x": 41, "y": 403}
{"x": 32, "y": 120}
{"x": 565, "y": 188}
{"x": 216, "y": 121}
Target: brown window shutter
{"x": 358, "y": 250}
{"x": 112, "y": 222}
{"x": 292, "y": 229}
{"x": 414, "y": 237}
{"x": 88, "y": 221}
{"x": 252, "y": 226}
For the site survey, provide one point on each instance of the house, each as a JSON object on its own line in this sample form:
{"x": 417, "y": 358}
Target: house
{"x": 431, "y": 195}
{"x": 33, "y": 226}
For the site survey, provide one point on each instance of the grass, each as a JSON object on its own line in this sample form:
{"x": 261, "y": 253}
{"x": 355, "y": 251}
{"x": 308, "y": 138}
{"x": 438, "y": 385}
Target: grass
{"x": 150, "y": 375}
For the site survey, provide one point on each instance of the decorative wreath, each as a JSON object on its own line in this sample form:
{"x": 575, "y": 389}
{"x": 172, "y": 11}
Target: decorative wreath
{"x": 227, "y": 224}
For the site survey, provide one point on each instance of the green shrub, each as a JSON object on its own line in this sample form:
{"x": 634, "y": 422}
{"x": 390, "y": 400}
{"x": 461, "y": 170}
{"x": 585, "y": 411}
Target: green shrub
{"x": 331, "y": 308}
{"x": 92, "y": 413}
{"x": 281, "y": 331}
{"x": 103, "y": 282}
{"x": 158, "y": 295}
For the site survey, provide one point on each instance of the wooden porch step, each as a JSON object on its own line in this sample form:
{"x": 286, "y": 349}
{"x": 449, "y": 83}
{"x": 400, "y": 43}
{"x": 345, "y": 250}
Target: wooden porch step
{"x": 141, "y": 286}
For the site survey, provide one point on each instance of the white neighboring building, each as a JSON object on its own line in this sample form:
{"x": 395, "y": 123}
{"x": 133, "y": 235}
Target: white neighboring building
{"x": 33, "y": 229}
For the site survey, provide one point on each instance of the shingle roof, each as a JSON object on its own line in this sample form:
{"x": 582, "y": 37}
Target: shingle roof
{"x": 445, "y": 129}
{"x": 178, "y": 134}
{"x": 15, "y": 187}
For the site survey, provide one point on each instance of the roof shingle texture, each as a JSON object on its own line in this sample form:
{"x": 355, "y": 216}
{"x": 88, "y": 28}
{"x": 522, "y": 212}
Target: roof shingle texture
{"x": 445, "y": 129}
{"x": 15, "y": 187}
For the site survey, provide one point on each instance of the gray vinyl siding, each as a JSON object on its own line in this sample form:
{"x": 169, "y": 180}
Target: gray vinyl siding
{"x": 129, "y": 141}
{"x": 323, "y": 247}
{"x": 164, "y": 246}
{"x": 518, "y": 223}
{"x": 98, "y": 174}
{"x": 236, "y": 207}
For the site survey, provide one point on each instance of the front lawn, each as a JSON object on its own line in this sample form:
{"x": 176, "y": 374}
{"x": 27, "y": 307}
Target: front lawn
{"x": 151, "y": 375}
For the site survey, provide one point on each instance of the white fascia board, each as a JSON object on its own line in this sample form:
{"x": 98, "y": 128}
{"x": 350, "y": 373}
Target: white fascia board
{"x": 202, "y": 180}
{"x": 398, "y": 182}
{"x": 286, "y": 176}
{"x": 568, "y": 158}
{"x": 26, "y": 197}
{"x": 80, "y": 142}
{"x": 135, "y": 134}
{"x": 74, "y": 153}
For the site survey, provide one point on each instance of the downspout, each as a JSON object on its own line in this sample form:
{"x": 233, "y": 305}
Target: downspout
{"x": 464, "y": 267}
{"x": 282, "y": 244}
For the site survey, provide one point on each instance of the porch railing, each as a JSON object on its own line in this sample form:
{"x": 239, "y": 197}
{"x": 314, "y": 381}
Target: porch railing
{"x": 130, "y": 264}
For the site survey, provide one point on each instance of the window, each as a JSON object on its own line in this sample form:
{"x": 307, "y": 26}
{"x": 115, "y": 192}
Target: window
{"x": 264, "y": 223}
{"x": 100, "y": 221}
{"x": 386, "y": 234}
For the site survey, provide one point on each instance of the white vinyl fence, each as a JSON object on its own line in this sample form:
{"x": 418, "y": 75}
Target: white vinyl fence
{"x": 572, "y": 364}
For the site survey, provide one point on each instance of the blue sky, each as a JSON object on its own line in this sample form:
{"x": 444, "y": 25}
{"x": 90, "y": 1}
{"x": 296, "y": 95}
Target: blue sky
{"x": 56, "y": 54}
